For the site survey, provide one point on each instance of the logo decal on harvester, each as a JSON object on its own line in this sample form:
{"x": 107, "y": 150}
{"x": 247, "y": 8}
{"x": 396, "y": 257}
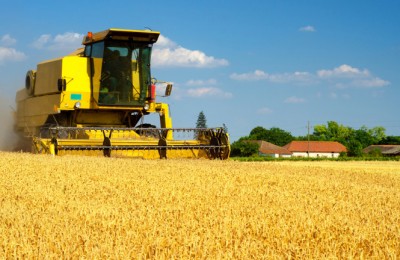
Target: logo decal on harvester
{"x": 76, "y": 96}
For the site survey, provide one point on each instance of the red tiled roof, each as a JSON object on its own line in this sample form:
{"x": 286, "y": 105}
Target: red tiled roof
{"x": 316, "y": 146}
{"x": 269, "y": 148}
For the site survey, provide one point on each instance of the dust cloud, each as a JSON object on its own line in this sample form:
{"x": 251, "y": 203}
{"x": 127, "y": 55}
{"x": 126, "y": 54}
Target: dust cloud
{"x": 8, "y": 138}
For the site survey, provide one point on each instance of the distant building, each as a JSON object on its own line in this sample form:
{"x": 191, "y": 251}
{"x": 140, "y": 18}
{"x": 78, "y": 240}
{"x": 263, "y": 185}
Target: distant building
{"x": 271, "y": 150}
{"x": 386, "y": 150}
{"x": 328, "y": 149}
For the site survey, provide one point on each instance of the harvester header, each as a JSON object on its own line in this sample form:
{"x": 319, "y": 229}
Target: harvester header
{"x": 94, "y": 101}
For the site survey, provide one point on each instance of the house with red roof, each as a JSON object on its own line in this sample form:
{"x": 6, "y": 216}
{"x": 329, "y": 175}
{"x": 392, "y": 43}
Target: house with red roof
{"x": 329, "y": 149}
{"x": 271, "y": 150}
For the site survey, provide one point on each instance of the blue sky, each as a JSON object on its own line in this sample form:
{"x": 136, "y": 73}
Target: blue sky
{"x": 244, "y": 63}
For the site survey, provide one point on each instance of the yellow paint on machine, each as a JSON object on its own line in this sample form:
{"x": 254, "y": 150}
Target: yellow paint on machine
{"x": 106, "y": 85}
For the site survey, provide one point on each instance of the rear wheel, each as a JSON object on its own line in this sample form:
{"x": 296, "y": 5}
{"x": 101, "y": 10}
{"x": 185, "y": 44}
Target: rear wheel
{"x": 30, "y": 82}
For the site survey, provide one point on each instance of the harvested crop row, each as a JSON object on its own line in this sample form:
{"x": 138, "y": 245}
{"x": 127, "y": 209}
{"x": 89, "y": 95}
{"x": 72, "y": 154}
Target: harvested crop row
{"x": 75, "y": 206}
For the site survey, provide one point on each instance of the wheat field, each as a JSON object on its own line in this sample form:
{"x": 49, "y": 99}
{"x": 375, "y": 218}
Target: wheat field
{"x": 97, "y": 208}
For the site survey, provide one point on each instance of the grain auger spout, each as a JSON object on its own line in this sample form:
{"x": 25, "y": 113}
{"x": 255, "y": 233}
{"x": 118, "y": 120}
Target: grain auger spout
{"x": 94, "y": 101}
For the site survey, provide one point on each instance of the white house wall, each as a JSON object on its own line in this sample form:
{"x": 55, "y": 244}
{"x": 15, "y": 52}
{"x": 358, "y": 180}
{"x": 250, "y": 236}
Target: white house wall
{"x": 316, "y": 155}
{"x": 275, "y": 155}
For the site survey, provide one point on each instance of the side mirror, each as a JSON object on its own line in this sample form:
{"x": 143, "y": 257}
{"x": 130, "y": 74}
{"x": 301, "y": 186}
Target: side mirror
{"x": 168, "y": 90}
{"x": 61, "y": 84}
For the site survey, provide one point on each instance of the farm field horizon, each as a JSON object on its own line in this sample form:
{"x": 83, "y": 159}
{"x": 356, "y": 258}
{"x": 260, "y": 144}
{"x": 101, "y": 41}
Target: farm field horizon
{"x": 96, "y": 207}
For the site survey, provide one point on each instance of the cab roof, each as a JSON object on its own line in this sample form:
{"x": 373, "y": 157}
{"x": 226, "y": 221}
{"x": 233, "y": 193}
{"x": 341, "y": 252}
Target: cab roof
{"x": 122, "y": 34}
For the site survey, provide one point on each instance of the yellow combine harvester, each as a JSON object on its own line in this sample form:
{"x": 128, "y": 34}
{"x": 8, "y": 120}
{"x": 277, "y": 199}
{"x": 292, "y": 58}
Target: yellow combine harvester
{"x": 93, "y": 102}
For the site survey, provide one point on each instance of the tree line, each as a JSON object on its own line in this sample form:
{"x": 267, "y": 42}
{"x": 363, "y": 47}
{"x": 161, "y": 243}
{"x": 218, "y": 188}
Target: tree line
{"x": 355, "y": 140}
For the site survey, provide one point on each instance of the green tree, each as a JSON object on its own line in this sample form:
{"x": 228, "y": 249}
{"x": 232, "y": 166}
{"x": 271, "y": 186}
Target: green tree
{"x": 378, "y": 133}
{"x": 274, "y": 135}
{"x": 362, "y": 136}
{"x": 225, "y": 128}
{"x": 258, "y": 133}
{"x": 201, "y": 121}
{"x": 354, "y": 148}
{"x": 321, "y": 132}
{"x": 243, "y": 148}
{"x": 390, "y": 140}
{"x": 354, "y": 140}
{"x": 278, "y": 136}
{"x": 332, "y": 132}
{"x": 306, "y": 138}
{"x": 375, "y": 153}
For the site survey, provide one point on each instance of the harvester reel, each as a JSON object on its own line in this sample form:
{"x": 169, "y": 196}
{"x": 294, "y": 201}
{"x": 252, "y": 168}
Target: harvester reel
{"x": 163, "y": 143}
{"x": 107, "y": 144}
{"x": 220, "y": 145}
{"x": 225, "y": 150}
{"x": 215, "y": 152}
{"x": 162, "y": 150}
{"x": 147, "y": 130}
{"x": 54, "y": 146}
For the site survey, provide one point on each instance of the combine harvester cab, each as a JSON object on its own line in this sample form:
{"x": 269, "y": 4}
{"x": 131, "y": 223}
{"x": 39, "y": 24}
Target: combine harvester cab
{"x": 93, "y": 102}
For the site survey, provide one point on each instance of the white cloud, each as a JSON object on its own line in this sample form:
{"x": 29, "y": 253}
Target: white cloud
{"x": 7, "y": 40}
{"x": 307, "y": 28}
{"x": 41, "y": 41}
{"x": 200, "y": 89}
{"x": 66, "y": 42}
{"x": 348, "y": 76}
{"x": 165, "y": 43}
{"x": 264, "y": 111}
{"x": 201, "y": 82}
{"x": 168, "y": 53}
{"x": 208, "y": 92}
{"x": 294, "y": 100}
{"x": 343, "y": 71}
{"x": 346, "y": 96}
{"x": 333, "y": 95}
{"x": 344, "y": 76}
{"x": 162, "y": 86}
{"x": 296, "y": 77}
{"x": 7, "y": 53}
{"x": 256, "y": 75}
{"x": 67, "y": 39}
{"x": 370, "y": 83}
{"x": 10, "y": 54}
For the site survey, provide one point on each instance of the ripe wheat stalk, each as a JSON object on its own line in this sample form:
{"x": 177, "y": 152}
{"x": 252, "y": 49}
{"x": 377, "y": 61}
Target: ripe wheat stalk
{"x": 85, "y": 207}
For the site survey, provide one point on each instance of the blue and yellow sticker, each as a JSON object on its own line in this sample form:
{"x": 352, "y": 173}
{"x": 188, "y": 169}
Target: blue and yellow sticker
{"x": 76, "y": 96}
